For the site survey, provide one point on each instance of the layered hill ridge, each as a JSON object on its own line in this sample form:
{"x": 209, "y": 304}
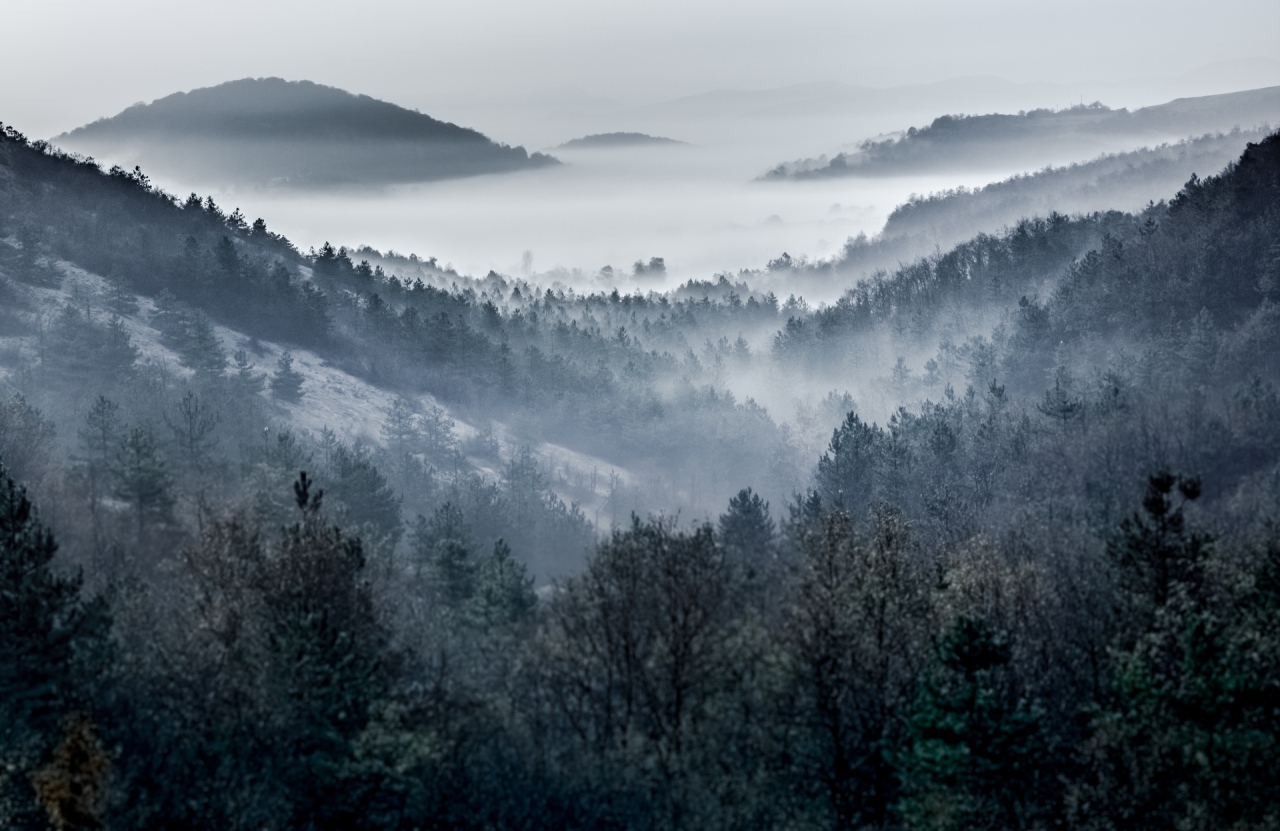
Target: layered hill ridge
{"x": 1038, "y": 137}
{"x": 272, "y": 131}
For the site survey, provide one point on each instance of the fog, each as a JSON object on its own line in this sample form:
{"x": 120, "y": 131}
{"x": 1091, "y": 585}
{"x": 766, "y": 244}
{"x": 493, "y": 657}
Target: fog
{"x": 697, "y": 205}
{"x": 873, "y": 455}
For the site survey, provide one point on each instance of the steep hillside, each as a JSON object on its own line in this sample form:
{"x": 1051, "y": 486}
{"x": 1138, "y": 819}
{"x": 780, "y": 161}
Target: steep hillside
{"x": 271, "y": 131}
{"x": 923, "y": 224}
{"x": 1023, "y": 573}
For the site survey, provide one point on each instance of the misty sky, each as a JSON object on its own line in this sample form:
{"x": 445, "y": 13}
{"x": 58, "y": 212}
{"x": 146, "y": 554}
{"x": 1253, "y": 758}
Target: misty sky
{"x": 68, "y": 63}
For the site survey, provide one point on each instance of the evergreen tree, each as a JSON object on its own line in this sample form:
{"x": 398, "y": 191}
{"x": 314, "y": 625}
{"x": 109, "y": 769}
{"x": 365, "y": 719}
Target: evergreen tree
{"x": 443, "y": 551}
{"x": 329, "y": 659}
{"x": 99, "y": 439}
{"x": 1154, "y": 549}
{"x": 364, "y": 491}
{"x": 503, "y": 590}
{"x": 847, "y": 472}
{"x": 286, "y": 383}
{"x": 51, "y": 642}
{"x": 978, "y": 757}
{"x": 100, "y": 434}
{"x": 193, "y": 423}
{"x": 747, "y": 532}
{"x": 438, "y": 440}
{"x": 142, "y": 481}
{"x": 26, "y": 438}
{"x": 246, "y": 381}
{"x": 1059, "y": 403}
{"x": 201, "y": 350}
{"x": 1188, "y": 740}
{"x": 400, "y": 429}
{"x": 120, "y": 300}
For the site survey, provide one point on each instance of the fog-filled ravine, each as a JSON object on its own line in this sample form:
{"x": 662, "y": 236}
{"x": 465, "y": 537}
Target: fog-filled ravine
{"x": 698, "y": 205}
{"x": 695, "y": 207}
{"x": 477, "y": 470}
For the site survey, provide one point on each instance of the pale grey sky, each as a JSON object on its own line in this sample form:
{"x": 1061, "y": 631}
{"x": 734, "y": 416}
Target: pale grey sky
{"x": 70, "y": 62}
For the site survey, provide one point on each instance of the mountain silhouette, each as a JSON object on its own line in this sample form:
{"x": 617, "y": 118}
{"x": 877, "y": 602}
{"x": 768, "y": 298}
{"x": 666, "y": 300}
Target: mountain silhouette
{"x": 601, "y": 141}
{"x": 269, "y": 131}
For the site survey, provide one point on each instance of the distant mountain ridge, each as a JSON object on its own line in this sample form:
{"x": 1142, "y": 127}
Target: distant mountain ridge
{"x": 1031, "y": 138}
{"x": 608, "y": 140}
{"x": 273, "y": 131}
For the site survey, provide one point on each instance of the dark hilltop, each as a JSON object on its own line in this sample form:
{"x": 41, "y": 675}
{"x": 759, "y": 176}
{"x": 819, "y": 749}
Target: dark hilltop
{"x": 603, "y": 141}
{"x": 268, "y": 131}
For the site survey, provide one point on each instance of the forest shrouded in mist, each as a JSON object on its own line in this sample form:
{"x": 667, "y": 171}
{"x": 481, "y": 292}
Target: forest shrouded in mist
{"x": 346, "y": 539}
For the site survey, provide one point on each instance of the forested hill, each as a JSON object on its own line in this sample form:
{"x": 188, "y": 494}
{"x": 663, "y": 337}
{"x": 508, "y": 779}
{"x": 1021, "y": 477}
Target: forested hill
{"x": 268, "y": 130}
{"x": 992, "y": 546}
{"x": 1120, "y": 181}
{"x": 602, "y": 141}
{"x": 1039, "y": 137}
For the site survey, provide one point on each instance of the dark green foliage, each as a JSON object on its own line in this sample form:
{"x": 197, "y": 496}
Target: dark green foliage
{"x": 1189, "y": 738}
{"x": 50, "y": 643}
{"x": 327, "y": 649}
{"x": 977, "y": 757}
{"x": 957, "y": 622}
{"x": 1154, "y": 549}
{"x": 503, "y": 589}
{"x": 286, "y": 383}
{"x": 442, "y": 548}
{"x": 364, "y": 491}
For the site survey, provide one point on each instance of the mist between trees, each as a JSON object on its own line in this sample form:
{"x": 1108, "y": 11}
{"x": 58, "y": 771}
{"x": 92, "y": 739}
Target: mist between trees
{"x": 987, "y": 543}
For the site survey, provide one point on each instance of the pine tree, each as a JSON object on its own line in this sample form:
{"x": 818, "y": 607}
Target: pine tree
{"x": 978, "y": 757}
{"x": 286, "y": 383}
{"x": 26, "y": 437}
{"x": 364, "y": 491}
{"x": 193, "y": 423}
{"x": 503, "y": 589}
{"x": 142, "y": 481}
{"x": 50, "y": 640}
{"x": 400, "y": 429}
{"x": 443, "y": 551}
{"x": 328, "y": 658}
{"x": 747, "y": 531}
{"x": 1187, "y": 739}
{"x": 200, "y": 350}
{"x": 119, "y": 299}
{"x": 246, "y": 381}
{"x": 847, "y": 472}
{"x": 438, "y": 440}
{"x": 1059, "y": 403}
{"x": 99, "y": 439}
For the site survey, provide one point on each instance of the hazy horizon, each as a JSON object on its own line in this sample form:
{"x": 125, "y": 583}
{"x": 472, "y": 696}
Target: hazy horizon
{"x": 635, "y": 53}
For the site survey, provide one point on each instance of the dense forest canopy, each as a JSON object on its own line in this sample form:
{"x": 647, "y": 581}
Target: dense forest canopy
{"x": 987, "y": 543}
{"x": 1126, "y": 182}
{"x": 268, "y": 131}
